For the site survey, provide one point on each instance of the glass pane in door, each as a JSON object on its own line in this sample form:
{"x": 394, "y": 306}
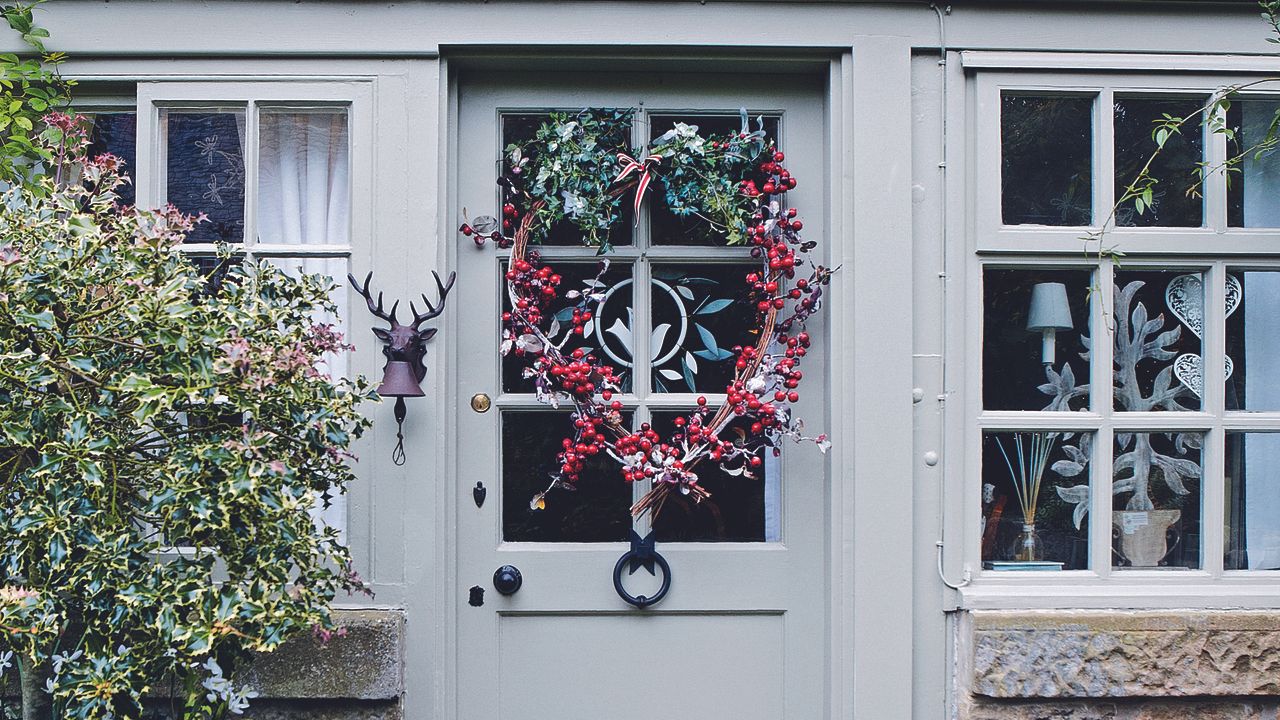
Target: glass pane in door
{"x": 597, "y": 510}
{"x": 607, "y": 294}
{"x": 667, "y": 228}
{"x": 700, "y": 313}
{"x": 740, "y": 508}
{"x": 520, "y": 128}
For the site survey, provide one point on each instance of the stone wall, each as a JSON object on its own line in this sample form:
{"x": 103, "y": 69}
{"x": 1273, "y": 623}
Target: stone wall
{"x": 359, "y": 676}
{"x": 1126, "y": 665}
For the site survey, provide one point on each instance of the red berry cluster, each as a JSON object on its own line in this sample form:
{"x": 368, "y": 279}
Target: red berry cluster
{"x": 777, "y": 179}
{"x": 535, "y": 289}
{"x": 580, "y": 376}
{"x": 588, "y": 441}
{"x": 638, "y": 449}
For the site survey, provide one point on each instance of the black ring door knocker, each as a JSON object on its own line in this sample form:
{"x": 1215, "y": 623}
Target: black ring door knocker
{"x": 642, "y": 555}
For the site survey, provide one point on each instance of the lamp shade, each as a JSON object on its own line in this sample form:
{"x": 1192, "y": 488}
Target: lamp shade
{"x": 1049, "y": 308}
{"x": 399, "y": 380}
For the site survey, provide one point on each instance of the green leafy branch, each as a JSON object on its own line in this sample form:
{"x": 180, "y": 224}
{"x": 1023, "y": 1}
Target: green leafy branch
{"x": 1140, "y": 191}
{"x": 30, "y": 88}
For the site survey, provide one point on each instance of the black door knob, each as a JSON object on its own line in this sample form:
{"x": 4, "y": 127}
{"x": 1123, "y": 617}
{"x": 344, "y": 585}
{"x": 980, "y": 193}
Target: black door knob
{"x": 507, "y": 580}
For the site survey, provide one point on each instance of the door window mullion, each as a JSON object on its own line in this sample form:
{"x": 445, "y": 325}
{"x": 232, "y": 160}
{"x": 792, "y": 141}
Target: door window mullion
{"x": 640, "y": 488}
{"x": 251, "y": 179}
{"x": 641, "y": 380}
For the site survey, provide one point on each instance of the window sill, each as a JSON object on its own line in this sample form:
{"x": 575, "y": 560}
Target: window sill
{"x": 1125, "y": 590}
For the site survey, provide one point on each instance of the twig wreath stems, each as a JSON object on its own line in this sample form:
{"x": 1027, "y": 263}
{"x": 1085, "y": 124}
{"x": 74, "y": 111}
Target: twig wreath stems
{"x": 578, "y": 169}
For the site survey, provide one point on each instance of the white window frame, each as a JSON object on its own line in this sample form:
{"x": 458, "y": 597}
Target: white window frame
{"x": 1211, "y": 248}
{"x": 356, "y": 96}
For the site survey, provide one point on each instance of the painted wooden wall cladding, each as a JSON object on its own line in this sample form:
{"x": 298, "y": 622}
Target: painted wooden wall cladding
{"x": 903, "y": 227}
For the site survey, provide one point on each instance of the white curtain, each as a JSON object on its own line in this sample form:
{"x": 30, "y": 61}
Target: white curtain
{"x": 1261, "y": 185}
{"x": 303, "y": 178}
{"x": 304, "y": 200}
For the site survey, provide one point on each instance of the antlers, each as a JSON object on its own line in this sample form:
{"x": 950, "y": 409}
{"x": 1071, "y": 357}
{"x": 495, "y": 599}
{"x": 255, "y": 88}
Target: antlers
{"x": 377, "y": 311}
{"x": 418, "y": 318}
{"x": 432, "y": 310}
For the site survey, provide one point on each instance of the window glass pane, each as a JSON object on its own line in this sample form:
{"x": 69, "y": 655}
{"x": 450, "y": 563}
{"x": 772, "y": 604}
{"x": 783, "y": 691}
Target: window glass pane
{"x": 304, "y": 178}
{"x": 522, "y": 127}
{"x": 205, "y": 170}
{"x": 740, "y": 509}
{"x": 1253, "y": 502}
{"x": 1158, "y": 322}
{"x": 1174, "y": 168}
{"x": 1046, "y": 172}
{"x": 117, "y": 134}
{"x": 604, "y": 298}
{"x": 666, "y": 227}
{"x": 1253, "y": 340}
{"x": 598, "y": 510}
{"x": 1035, "y": 500}
{"x": 700, "y": 313}
{"x": 1034, "y": 328}
{"x": 1252, "y": 192}
{"x": 1156, "y": 517}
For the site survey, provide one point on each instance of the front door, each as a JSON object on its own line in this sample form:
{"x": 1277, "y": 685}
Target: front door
{"x": 742, "y": 632}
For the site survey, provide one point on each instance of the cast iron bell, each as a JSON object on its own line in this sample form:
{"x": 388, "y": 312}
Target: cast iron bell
{"x": 399, "y": 380}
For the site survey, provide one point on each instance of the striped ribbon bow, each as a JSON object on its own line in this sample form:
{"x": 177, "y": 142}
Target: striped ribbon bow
{"x": 645, "y": 168}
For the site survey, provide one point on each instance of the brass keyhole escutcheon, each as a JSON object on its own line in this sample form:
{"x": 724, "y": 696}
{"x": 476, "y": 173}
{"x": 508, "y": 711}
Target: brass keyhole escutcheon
{"x": 480, "y": 402}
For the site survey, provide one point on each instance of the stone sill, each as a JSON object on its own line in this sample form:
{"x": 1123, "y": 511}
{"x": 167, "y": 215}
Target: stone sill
{"x": 1117, "y": 654}
{"x": 365, "y": 664}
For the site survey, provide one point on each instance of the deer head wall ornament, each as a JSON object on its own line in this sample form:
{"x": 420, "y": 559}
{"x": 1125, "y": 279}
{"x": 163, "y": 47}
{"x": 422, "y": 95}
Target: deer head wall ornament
{"x": 405, "y": 347}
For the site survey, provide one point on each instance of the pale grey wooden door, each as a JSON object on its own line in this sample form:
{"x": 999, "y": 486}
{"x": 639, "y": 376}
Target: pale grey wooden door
{"x": 742, "y": 633}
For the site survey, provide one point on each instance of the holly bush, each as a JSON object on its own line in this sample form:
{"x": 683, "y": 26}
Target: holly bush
{"x": 165, "y": 436}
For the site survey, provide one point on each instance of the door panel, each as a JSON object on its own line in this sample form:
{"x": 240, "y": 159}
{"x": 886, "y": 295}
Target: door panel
{"x": 742, "y": 632}
{"x": 619, "y": 667}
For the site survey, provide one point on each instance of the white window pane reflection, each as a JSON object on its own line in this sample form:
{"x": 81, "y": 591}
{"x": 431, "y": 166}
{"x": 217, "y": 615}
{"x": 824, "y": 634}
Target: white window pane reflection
{"x": 1252, "y": 192}
{"x": 1253, "y": 340}
{"x": 1253, "y": 501}
{"x": 304, "y": 178}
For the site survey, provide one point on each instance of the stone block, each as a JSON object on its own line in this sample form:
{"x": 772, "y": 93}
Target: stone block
{"x": 365, "y": 664}
{"x": 1099, "y": 654}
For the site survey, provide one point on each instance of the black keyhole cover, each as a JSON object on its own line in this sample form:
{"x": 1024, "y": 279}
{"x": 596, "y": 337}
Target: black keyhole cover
{"x": 507, "y": 580}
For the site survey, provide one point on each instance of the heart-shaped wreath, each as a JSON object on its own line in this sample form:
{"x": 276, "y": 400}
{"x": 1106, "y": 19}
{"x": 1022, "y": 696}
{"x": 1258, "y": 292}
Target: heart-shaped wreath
{"x": 577, "y": 170}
